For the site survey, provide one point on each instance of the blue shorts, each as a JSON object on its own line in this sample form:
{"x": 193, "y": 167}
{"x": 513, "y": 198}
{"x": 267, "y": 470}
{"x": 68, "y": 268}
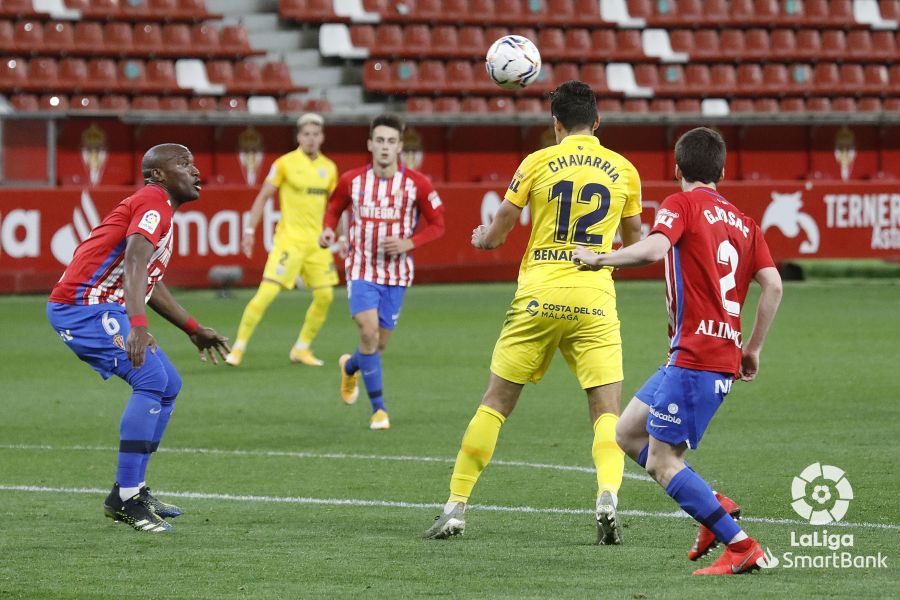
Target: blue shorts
{"x": 96, "y": 333}
{"x": 682, "y": 403}
{"x": 388, "y": 299}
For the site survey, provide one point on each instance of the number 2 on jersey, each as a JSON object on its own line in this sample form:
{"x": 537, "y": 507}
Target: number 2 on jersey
{"x": 728, "y": 255}
{"x": 564, "y": 191}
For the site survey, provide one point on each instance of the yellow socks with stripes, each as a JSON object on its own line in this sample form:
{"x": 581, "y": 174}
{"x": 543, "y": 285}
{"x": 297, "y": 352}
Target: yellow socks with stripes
{"x": 608, "y": 457}
{"x": 475, "y": 452}
{"x": 256, "y": 308}
{"x": 315, "y": 316}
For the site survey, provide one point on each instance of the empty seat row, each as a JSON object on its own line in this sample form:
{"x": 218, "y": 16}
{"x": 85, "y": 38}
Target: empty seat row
{"x": 476, "y": 104}
{"x": 742, "y": 13}
{"x": 191, "y": 11}
{"x": 89, "y": 38}
{"x": 121, "y": 103}
{"x": 136, "y": 76}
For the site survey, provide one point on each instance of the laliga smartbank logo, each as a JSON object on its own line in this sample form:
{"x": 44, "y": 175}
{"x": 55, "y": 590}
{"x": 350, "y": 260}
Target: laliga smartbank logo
{"x": 821, "y": 494}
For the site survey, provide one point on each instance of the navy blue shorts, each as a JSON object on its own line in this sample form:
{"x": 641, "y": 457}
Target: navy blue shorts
{"x": 96, "y": 333}
{"x": 388, "y": 299}
{"x": 682, "y": 403}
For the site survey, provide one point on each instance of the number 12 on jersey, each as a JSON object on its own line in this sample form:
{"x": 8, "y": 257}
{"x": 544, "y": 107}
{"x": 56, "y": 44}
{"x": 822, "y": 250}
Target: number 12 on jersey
{"x": 564, "y": 191}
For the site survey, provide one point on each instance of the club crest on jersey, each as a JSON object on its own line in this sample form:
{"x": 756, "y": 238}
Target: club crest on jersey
{"x": 119, "y": 341}
{"x": 150, "y": 221}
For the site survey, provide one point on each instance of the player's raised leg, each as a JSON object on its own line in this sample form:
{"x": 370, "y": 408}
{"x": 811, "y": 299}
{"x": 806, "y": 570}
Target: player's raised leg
{"x": 475, "y": 453}
{"x": 367, "y": 362}
{"x": 253, "y": 313}
{"x": 609, "y": 459}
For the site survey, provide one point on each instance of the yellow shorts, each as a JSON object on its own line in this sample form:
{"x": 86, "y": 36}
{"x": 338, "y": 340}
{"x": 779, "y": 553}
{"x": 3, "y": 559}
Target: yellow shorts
{"x": 581, "y": 322}
{"x": 288, "y": 261}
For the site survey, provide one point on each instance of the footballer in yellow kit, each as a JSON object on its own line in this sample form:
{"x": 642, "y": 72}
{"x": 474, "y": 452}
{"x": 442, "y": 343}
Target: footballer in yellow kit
{"x": 580, "y": 193}
{"x": 304, "y": 179}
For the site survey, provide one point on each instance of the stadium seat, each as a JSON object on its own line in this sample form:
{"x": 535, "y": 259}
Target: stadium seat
{"x": 277, "y": 78}
{"x": 445, "y": 41}
{"x": 88, "y": 37}
{"x": 13, "y": 73}
{"x": 552, "y": 43}
{"x": 15, "y": 8}
{"x": 84, "y": 102}
{"x": 892, "y": 104}
{"x": 7, "y": 33}
{"x": 447, "y": 104}
{"x": 834, "y": 44}
{"x": 749, "y": 78}
{"x": 376, "y": 75}
{"x": 741, "y": 105}
{"x": 629, "y": 45}
{"x": 416, "y": 40}
{"x": 792, "y": 105}
{"x": 132, "y": 75}
{"x": 563, "y": 72}
{"x": 526, "y": 32}
{"x": 118, "y": 39}
{"x": 480, "y": 11}
{"x": 468, "y": 39}
{"x": 890, "y": 9}
{"x": 706, "y": 44}
{"x": 818, "y": 104}
{"x": 682, "y": 40}
{"x": 204, "y": 40}
{"x": 461, "y": 77}
{"x": 646, "y": 75}
{"x": 25, "y": 103}
{"x": 73, "y": 74}
{"x": 671, "y": 80}
{"x": 59, "y": 37}
{"x": 731, "y": 43}
{"x": 542, "y": 85}
{"x": 232, "y": 104}
{"x": 233, "y": 39}
{"x": 102, "y": 75}
{"x": 474, "y": 104}
{"x": 501, "y": 104}
{"x": 758, "y": 45}
{"x": 765, "y": 105}
{"x": 603, "y": 43}
{"x": 145, "y": 103}
{"x": 577, "y": 44}
{"x": 878, "y": 79}
{"x": 826, "y": 78}
{"x": 114, "y": 102}
{"x": 688, "y": 105}
{"x": 843, "y": 104}
{"x": 220, "y": 72}
{"x": 635, "y": 105}
{"x": 388, "y": 40}
{"x": 609, "y": 105}
{"x": 662, "y": 105}
{"x": 809, "y": 45}
{"x": 28, "y": 37}
{"x": 177, "y": 39}
{"x": 884, "y": 46}
{"x": 561, "y": 13}
{"x": 405, "y": 78}
{"x": 148, "y": 38}
{"x": 697, "y": 77}
{"x": 290, "y": 104}
{"x": 193, "y": 9}
{"x": 775, "y": 78}
{"x": 723, "y": 80}
{"x": 161, "y": 76}
{"x": 426, "y": 11}
{"x": 800, "y": 78}
{"x": 362, "y": 36}
{"x": 594, "y": 75}
{"x": 869, "y": 104}
{"x": 173, "y": 104}
{"x": 529, "y": 105}
{"x": 419, "y": 105}
{"x": 43, "y": 74}
{"x": 640, "y": 9}
{"x": 53, "y": 102}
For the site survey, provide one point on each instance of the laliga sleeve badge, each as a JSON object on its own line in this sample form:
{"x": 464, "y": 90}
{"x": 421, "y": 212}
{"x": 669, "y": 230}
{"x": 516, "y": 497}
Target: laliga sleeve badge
{"x": 150, "y": 221}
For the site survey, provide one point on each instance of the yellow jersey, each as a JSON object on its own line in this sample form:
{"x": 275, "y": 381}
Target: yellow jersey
{"x": 578, "y": 191}
{"x": 304, "y": 186}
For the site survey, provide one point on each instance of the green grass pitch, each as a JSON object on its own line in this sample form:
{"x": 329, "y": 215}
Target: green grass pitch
{"x": 288, "y": 494}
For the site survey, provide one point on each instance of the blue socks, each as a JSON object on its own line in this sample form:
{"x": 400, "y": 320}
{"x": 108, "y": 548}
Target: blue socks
{"x": 696, "y": 498}
{"x": 370, "y": 367}
{"x": 136, "y": 431}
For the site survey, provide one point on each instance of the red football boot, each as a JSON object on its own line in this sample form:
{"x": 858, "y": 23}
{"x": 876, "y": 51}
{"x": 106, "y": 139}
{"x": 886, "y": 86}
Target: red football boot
{"x": 733, "y": 562}
{"x": 706, "y": 540}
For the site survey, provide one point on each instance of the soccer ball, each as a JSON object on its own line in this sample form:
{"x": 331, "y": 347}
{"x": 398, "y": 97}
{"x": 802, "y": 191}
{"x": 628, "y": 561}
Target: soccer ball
{"x": 513, "y": 62}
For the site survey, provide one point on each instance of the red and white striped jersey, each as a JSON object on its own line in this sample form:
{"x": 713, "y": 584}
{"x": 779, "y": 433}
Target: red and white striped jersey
{"x": 96, "y": 273}
{"x": 381, "y": 208}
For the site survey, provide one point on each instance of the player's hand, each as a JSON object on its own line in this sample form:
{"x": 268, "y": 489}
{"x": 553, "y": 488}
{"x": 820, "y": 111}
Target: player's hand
{"x": 136, "y": 345}
{"x": 343, "y": 247}
{"x": 207, "y": 341}
{"x": 479, "y": 238}
{"x": 326, "y": 238}
{"x": 247, "y": 243}
{"x": 586, "y": 260}
{"x": 749, "y": 366}
{"x": 394, "y": 246}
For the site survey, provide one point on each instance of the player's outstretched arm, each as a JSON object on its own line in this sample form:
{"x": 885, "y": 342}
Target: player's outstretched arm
{"x": 645, "y": 252}
{"x": 206, "y": 339}
{"x": 630, "y": 230}
{"x": 769, "y": 299}
{"x": 488, "y": 237}
{"x": 266, "y": 193}
{"x": 137, "y": 254}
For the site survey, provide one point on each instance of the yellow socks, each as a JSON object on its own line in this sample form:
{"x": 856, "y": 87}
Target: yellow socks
{"x": 256, "y": 308}
{"x": 608, "y": 457}
{"x": 315, "y": 316}
{"x": 475, "y": 452}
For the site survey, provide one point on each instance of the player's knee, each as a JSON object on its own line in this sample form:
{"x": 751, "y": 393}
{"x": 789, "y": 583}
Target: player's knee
{"x": 323, "y": 296}
{"x": 368, "y": 339}
{"x": 151, "y": 377}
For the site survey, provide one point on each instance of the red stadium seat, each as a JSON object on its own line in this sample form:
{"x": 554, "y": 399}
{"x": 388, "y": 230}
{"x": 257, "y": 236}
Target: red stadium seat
{"x": 28, "y": 36}
{"x": 135, "y": 10}
{"x": 220, "y": 71}
{"x": 843, "y": 104}
{"x": 641, "y": 9}
{"x": 671, "y": 80}
{"x": 560, "y": 12}
{"x": 892, "y": 104}
{"x": 145, "y": 103}
{"x": 859, "y": 44}
{"x": 447, "y": 104}
{"x": 688, "y": 11}
{"x": 501, "y": 104}
{"x": 816, "y": 13}
{"x": 233, "y": 104}
{"x": 194, "y": 9}
{"x": 405, "y": 78}
{"x": 233, "y": 38}
{"x": 167, "y": 8}
{"x": 587, "y": 13}
{"x": 890, "y": 9}
{"x": 115, "y": 102}
{"x": 480, "y": 11}
{"x": 662, "y": 105}
{"x": 851, "y": 78}
{"x": 277, "y": 77}
{"x": 204, "y": 39}
{"x": 132, "y": 75}
{"x": 766, "y": 11}
{"x": 362, "y": 36}
{"x": 577, "y": 44}
{"x": 59, "y": 37}
{"x": 603, "y": 42}
{"x": 13, "y": 73}
{"x": 377, "y": 75}
{"x": 173, "y": 104}
{"x": 629, "y": 44}
{"x": 765, "y": 105}
{"x": 416, "y": 40}
{"x": 724, "y": 79}
{"x": 682, "y": 40}
{"x": 290, "y": 104}
{"x": 445, "y": 40}
{"x": 117, "y": 38}
{"x": 706, "y": 43}
{"x": 741, "y": 105}
{"x": 809, "y": 44}
{"x": 177, "y": 39}
{"x": 688, "y": 105}
{"x": 697, "y": 78}
{"x": 826, "y": 78}
{"x": 609, "y": 105}
{"x": 818, "y": 104}
{"x": 148, "y": 38}
{"x": 877, "y": 79}
{"x": 102, "y": 74}
{"x": 526, "y": 32}
{"x": 7, "y": 33}
{"x": 792, "y": 105}
{"x": 431, "y": 10}
{"x": 161, "y": 76}
{"x": 388, "y": 40}
{"x": 594, "y": 75}
{"x": 775, "y": 78}
{"x": 757, "y": 44}
{"x": 25, "y": 103}
{"x": 869, "y": 105}
{"x": 84, "y": 102}
{"x": 88, "y": 37}
{"x": 801, "y": 77}
{"x": 474, "y": 105}
{"x": 731, "y": 43}
{"x": 635, "y": 105}
{"x": 73, "y": 73}
{"x": 53, "y": 102}
{"x": 750, "y": 78}
{"x": 563, "y": 72}
{"x": 552, "y": 43}
{"x": 419, "y": 105}
{"x": 247, "y": 77}
{"x": 834, "y": 44}
{"x": 319, "y": 105}
{"x": 43, "y": 74}
{"x": 471, "y": 39}
{"x": 884, "y": 45}
{"x": 492, "y": 34}
{"x": 529, "y": 106}
{"x": 461, "y": 77}
{"x": 840, "y": 12}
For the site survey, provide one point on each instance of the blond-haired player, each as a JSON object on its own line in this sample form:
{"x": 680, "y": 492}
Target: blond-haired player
{"x": 304, "y": 179}
{"x": 579, "y": 193}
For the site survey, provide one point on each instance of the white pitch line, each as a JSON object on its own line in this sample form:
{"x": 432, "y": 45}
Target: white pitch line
{"x": 354, "y": 502}
{"x": 323, "y": 455}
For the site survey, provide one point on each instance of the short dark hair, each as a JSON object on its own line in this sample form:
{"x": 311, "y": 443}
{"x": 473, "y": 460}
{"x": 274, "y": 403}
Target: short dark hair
{"x": 388, "y": 120}
{"x": 700, "y": 154}
{"x": 574, "y": 105}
